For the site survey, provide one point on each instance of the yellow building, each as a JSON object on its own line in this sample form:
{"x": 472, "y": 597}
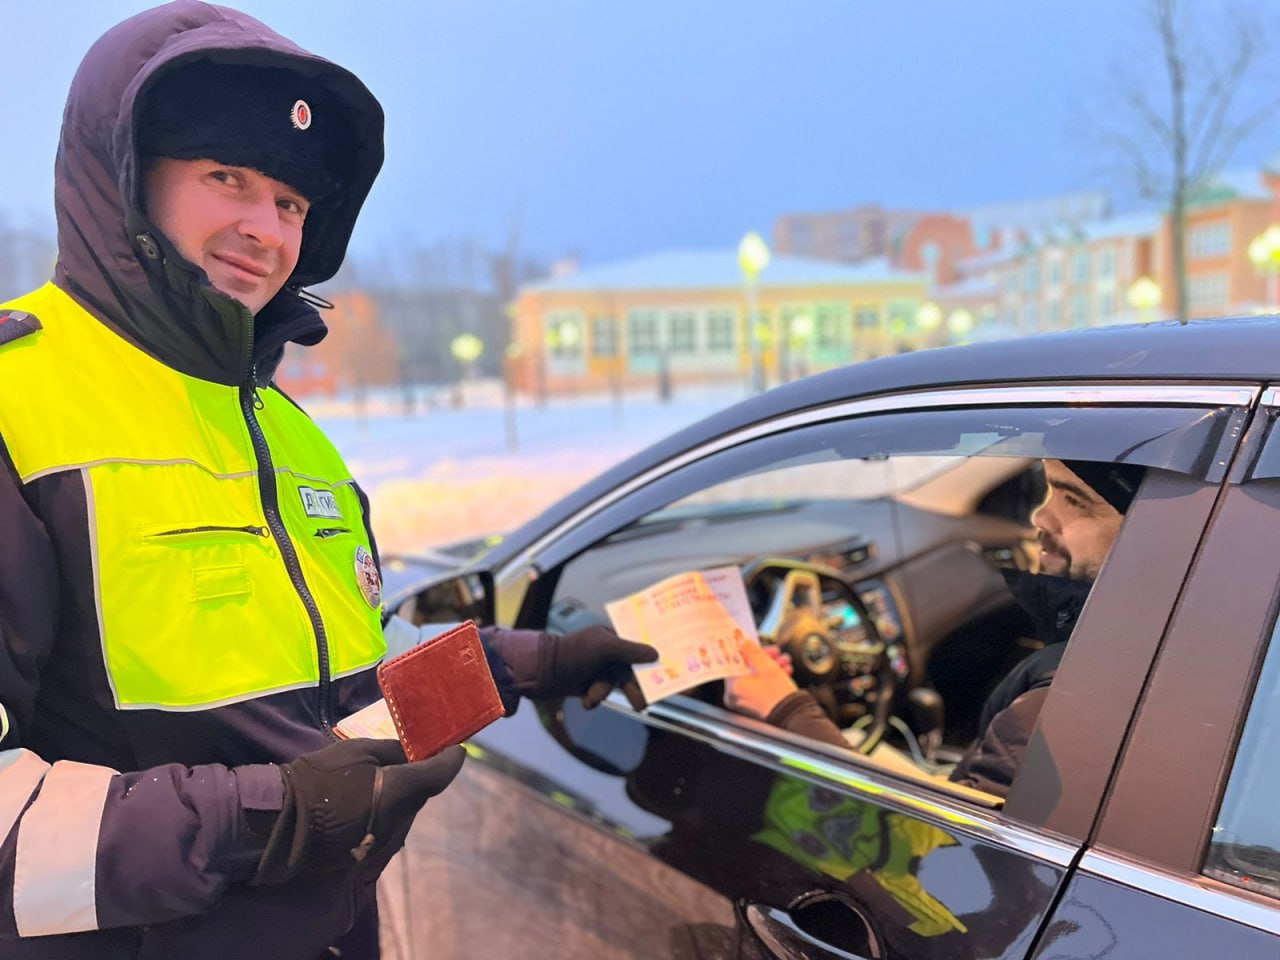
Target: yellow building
{"x": 684, "y": 314}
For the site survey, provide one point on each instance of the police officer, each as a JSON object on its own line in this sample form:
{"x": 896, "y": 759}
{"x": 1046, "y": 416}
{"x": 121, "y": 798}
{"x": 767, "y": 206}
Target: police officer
{"x": 189, "y": 597}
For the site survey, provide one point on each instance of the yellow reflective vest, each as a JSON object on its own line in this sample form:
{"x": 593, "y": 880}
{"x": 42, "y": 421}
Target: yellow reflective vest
{"x": 230, "y": 556}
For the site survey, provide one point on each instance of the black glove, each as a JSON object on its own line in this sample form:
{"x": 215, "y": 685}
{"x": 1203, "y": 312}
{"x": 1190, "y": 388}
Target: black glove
{"x": 587, "y": 663}
{"x": 346, "y": 800}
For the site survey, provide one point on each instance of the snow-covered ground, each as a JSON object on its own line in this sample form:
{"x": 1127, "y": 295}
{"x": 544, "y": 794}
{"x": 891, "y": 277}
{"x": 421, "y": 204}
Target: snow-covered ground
{"x": 444, "y": 474}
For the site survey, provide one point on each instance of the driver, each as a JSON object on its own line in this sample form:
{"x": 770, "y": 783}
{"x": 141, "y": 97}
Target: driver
{"x": 1076, "y": 525}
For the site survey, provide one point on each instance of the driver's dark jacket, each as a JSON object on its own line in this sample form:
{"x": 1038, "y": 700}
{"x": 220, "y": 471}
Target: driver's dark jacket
{"x": 154, "y": 862}
{"x": 1013, "y": 707}
{"x": 1010, "y": 712}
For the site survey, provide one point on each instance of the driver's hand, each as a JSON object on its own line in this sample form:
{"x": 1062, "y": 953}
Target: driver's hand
{"x": 768, "y": 684}
{"x": 782, "y": 658}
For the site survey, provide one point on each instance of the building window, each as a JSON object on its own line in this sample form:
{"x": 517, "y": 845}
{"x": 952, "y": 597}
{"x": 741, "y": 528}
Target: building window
{"x": 1080, "y": 266}
{"x": 1209, "y": 240}
{"x": 1079, "y": 310}
{"x": 801, "y": 236}
{"x": 931, "y": 254}
{"x": 642, "y": 333}
{"x": 828, "y": 326}
{"x": 1106, "y": 264}
{"x": 902, "y": 317}
{"x": 681, "y": 331}
{"x": 721, "y": 325}
{"x": 1055, "y": 314}
{"x": 1031, "y": 275}
{"x": 1055, "y": 272}
{"x": 1106, "y": 306}
{"x": 851, "y": 239}
{"x": 1031, "y": 316}
{"x": 1210, "y": 291}
{"x": 564, "y": 334}
{"x": 604, "y": 336}
{"x": 867, "y": 318}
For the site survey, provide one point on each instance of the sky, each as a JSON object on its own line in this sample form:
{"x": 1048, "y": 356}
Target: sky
{"x": 611, "y": 128}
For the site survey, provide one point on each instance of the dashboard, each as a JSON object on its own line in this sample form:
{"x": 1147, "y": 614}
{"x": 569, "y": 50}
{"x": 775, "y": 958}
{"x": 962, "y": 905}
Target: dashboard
{"x": 918, "y": 574}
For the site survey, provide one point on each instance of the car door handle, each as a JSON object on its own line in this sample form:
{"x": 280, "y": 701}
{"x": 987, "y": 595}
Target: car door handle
{"x": 781, "y": 934}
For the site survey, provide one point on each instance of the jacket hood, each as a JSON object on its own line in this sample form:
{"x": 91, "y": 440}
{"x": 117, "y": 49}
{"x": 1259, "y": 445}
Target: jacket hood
{"x": 111, "y": 257}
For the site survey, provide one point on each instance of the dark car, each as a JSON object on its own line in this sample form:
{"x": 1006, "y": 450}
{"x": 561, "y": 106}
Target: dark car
{"x": 1141, "y": 822}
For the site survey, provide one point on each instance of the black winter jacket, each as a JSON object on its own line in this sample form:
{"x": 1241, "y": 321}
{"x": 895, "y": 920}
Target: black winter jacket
{"x": 1012, "y": 709}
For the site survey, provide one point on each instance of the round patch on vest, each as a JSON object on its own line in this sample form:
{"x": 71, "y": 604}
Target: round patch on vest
{"x": 368, "y": 578}
{"x": 300, "y": 115}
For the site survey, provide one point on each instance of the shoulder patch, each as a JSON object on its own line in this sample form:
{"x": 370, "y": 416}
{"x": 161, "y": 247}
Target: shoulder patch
{"x": 16, "y": 324}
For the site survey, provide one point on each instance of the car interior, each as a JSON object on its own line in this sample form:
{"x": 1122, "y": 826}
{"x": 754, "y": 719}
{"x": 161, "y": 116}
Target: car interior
{"x": 881, "y": 578}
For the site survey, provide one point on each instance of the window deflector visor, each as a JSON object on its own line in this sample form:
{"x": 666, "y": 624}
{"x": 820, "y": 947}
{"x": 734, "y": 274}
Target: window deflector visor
{"x": 1184, "y": 439}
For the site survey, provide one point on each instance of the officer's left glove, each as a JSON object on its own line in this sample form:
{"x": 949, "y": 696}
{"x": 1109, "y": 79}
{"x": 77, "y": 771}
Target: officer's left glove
{"x": 587, "y": 663}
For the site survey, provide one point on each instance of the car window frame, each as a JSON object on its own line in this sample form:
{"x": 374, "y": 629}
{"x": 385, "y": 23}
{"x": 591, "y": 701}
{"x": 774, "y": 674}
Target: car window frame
{"x": 1236, "y": 570}
{"x": 1070, "y": 816}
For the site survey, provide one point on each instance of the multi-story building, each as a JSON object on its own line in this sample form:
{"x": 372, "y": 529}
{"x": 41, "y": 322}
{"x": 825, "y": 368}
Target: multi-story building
{"x": 1222, "y": 219}
{"x": 849, "y": 236}
{"x": 996, "y": 224}
{"x": 1074, "y": 277}
{"x": 687, "y": 315}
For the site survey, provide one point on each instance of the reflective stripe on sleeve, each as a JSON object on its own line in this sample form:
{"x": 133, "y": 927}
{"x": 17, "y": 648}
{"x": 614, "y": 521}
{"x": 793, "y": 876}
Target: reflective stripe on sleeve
{"x": 54, "y": 874}
{"x": 20, "y": 773}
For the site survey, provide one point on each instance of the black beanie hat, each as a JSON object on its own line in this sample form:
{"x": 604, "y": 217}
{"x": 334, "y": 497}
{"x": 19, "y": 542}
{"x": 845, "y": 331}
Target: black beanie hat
{"x": 276, "y": 121}
{"x": 1116, "y": 483}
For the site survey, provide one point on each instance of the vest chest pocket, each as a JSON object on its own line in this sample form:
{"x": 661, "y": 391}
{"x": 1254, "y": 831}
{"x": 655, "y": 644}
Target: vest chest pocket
{"x": 197, "y": 608}
{"x": 216, "y": 557}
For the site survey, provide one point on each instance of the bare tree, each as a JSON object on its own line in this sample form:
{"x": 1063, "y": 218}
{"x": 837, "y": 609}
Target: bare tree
{"x": 1172, "y": 129}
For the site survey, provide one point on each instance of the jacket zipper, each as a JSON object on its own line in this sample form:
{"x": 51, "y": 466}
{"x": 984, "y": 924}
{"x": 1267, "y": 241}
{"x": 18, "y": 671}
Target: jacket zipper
{"x": 249, "y": 403}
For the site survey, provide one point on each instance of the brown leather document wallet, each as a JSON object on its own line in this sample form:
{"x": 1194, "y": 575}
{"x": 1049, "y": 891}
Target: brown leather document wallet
{"x": 441, "y": 692}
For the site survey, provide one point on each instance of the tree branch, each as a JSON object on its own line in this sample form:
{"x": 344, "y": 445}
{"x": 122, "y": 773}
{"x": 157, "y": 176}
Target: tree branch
{"x": 1136, "y": 157}
{"x": 1207, "y": 128}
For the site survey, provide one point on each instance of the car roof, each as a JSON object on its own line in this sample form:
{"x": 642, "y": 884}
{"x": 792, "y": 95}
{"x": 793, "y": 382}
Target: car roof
{"x": 1230, "y": 350}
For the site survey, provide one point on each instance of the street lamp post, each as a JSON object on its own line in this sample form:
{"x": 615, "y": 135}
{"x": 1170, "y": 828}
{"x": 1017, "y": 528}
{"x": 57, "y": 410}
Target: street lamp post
{"x": 753, "y": 256}
{"x": 466, "y": 349}
{"x": 1264, "y": 254}
{"x": 960, "y": 324}
{"x": 569, "y": 338}
{"x": 1144, "y": 296}
{"x": 509, "y": 361}
{"x": 798, "y": 334}
{"x": 928, "y": 320}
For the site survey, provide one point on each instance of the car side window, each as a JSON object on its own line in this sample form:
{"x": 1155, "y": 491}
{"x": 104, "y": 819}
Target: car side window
{"x": 882, "y": 552}
{"x": 1244, "y": 847}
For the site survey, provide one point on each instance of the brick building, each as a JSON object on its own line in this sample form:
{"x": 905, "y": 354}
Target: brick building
{"x": 684, "y": 315}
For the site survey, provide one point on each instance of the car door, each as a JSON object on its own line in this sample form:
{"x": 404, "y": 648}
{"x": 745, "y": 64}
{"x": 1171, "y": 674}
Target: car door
{"x": 687, "y": 830}
{"x": 1186, "y": 858}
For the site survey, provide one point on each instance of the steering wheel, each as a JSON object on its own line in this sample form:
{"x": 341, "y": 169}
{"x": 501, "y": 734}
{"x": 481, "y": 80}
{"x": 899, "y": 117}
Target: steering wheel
{"x": 836, "y": 652}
